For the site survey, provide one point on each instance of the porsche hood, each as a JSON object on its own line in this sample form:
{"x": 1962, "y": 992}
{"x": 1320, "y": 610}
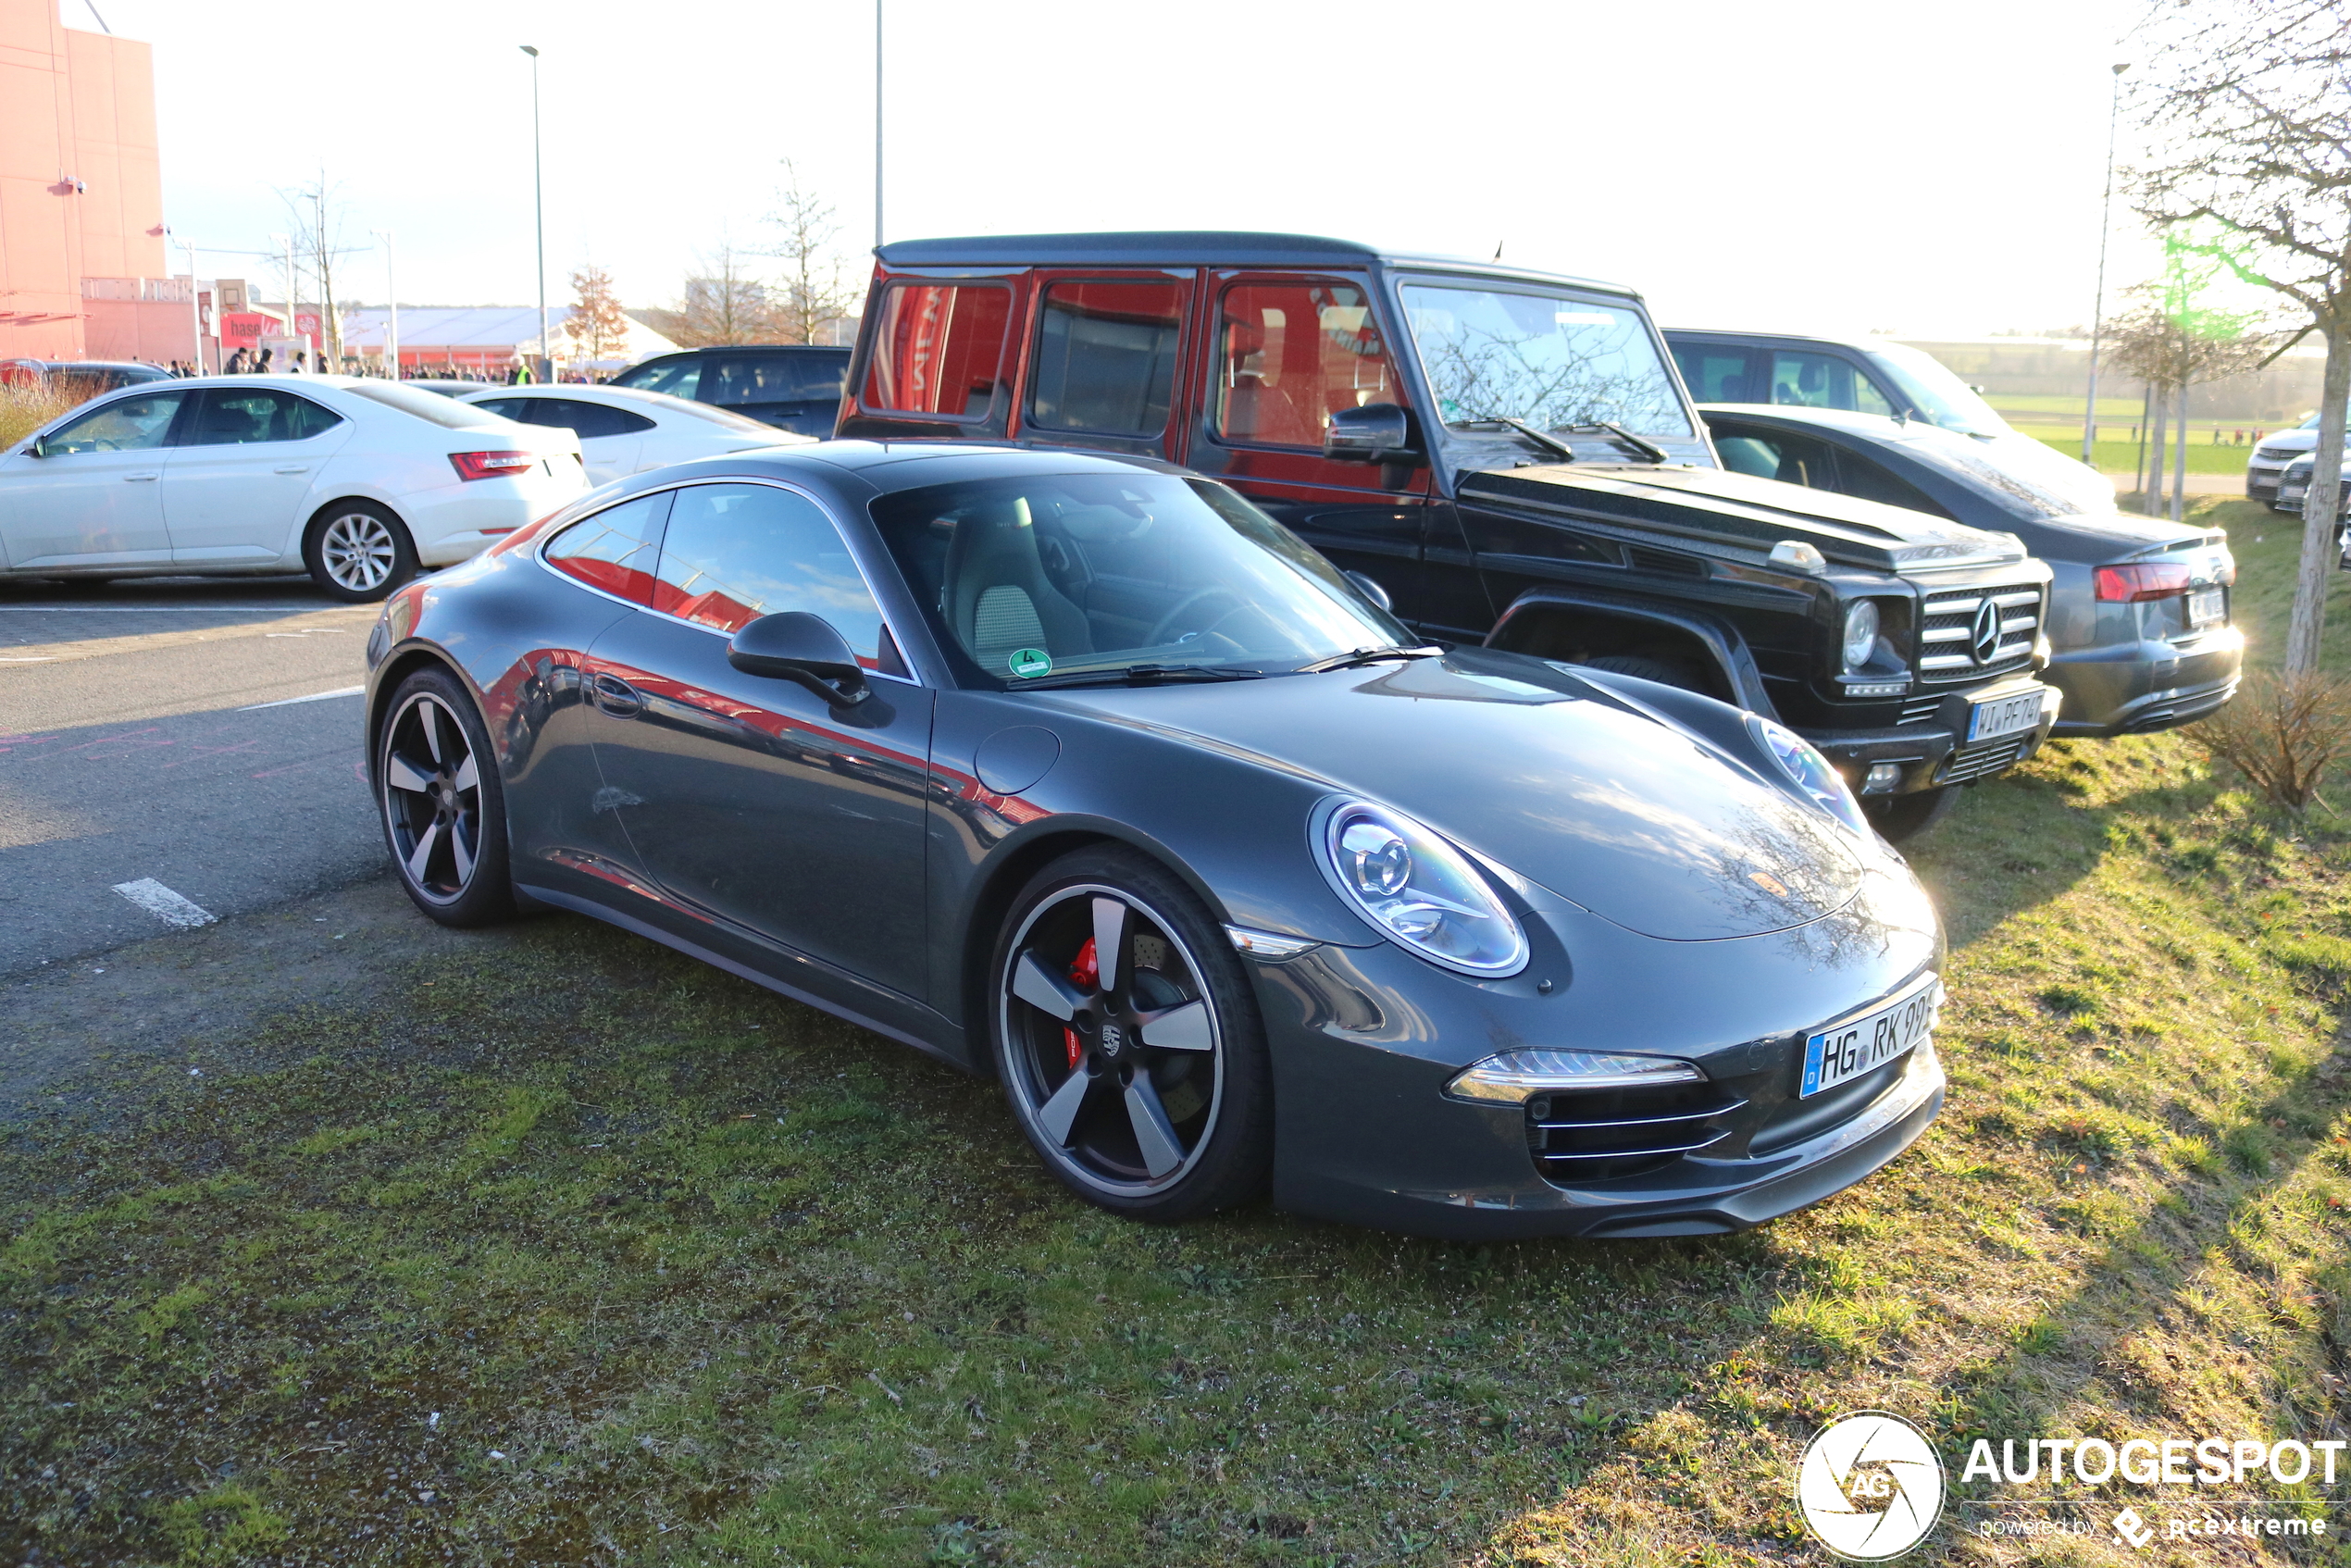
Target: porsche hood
{"x": 1555, "y": 777}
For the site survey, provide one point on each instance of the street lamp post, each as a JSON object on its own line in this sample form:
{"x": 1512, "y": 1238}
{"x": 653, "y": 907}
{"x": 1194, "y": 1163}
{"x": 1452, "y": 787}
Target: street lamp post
{"x": 195, "y": 305}
{"x": 539, "y": 208}
{"x": 2105, "y": 225}
{"x": 391, "y": 303}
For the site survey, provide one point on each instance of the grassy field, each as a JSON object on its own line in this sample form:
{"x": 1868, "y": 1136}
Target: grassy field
{"x": 593, "y": 1255}
{"x": 2123, "y": 456}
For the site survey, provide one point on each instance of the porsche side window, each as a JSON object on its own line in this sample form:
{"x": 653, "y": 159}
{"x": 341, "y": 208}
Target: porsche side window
{"x": 939, "y": 348}
{"x": 1106, "y": 356}
{"x": 1789, "y": 459}
{"x": 736, "y": 551}
{"x": 1289, "y": 355}
{"x": 615, "y": 549}
{"x": 128, "y": 424}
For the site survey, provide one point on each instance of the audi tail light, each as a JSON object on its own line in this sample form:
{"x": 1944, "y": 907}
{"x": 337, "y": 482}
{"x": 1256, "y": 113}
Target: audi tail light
{"x": 492, "y": 465}
{"x": 2142, "y": 581}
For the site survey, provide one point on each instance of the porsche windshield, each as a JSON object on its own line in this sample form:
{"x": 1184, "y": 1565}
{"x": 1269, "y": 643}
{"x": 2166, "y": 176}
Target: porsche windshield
{"x": 1548, "y": 360}
{"x": 1056, "y": 574}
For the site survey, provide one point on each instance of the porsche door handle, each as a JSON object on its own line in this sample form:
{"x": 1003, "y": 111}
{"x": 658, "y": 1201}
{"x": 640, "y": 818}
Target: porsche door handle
{"x": 135, "y": 478}
{"x": 616, "y": 696}
{"x": 291, "y": 468}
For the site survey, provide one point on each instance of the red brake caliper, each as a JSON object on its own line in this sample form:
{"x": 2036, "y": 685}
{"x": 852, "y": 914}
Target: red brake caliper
{"x": 1087, "y": 973}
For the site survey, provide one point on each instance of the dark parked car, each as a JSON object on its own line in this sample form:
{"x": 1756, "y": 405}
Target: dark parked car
{"x": 1084, "y": 774}
{"x": 795, "y": 387}
{"x": 85, "y": 378}
{"x": 1506, "y": 453}
{"x": 2138, "y": 615}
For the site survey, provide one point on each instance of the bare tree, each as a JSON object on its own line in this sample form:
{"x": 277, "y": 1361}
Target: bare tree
{"x": 2172, "y": 341}
{"x": 2246, "y": 109}
{"x": 812, "y": 289}
{"x": 597, "y": 326}
{"x": 724, "y": 301}
{"x": 318, "y": 213}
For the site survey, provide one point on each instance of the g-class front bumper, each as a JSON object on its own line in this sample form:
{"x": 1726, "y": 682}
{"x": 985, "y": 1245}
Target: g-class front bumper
{"x": 1946, "y": 747}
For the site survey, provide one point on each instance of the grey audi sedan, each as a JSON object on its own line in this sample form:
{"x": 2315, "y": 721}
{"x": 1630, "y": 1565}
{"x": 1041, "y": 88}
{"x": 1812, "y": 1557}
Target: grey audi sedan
{"x": 2138, "y": 624}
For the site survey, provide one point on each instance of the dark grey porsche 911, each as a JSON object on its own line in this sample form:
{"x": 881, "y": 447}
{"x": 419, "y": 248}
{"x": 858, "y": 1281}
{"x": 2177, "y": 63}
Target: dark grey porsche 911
{"x": 1084, "y": 774}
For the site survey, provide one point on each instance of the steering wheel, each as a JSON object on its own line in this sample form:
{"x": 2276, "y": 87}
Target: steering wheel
{"x": 1168, "y": 622}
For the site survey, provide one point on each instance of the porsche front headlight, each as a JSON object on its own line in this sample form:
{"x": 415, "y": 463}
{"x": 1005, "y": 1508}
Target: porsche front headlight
{"x": 1420, "y": 891}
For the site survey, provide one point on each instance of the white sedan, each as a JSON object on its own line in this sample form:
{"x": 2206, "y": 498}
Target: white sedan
{"x": 359, "y": 482}
{"x": 622, "y": 431}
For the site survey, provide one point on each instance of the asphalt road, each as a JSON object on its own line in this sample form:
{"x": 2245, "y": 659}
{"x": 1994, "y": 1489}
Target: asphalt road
{"x": 200, "y": 736}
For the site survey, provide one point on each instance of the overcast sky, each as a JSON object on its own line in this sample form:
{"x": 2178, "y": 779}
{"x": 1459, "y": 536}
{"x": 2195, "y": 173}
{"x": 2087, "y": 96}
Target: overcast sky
{"x": 1927, "y": 168}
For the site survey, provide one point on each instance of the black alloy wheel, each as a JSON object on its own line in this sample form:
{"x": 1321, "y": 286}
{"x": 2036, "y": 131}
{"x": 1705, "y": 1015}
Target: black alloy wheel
{"x": 1128, "y": 1041}
{"x": 444, "y": 809}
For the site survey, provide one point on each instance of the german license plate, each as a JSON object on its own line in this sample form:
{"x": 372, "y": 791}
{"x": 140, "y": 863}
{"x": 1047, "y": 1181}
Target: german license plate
{"x": 2208, "y": 606}
{"x": 2004, "y": 716}
{"x": 1846, "y": 1051}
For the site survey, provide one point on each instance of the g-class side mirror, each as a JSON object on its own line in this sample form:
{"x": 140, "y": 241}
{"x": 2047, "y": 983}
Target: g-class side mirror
{"x": 796, "y": 646}
{"x": 1377, "y": 432}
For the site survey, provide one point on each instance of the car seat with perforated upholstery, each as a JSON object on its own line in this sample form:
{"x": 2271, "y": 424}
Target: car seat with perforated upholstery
{"x": 998, "y": 598}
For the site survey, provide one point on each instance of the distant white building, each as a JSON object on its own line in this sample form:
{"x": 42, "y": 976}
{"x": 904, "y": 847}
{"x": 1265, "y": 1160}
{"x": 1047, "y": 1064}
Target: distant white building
{"x": 485, "y": 340}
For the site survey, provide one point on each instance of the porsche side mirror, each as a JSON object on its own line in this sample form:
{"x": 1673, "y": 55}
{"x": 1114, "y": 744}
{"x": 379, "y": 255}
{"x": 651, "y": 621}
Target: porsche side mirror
{"x": 796, "y": 646}
{"x": 1377, "y": 432}
{"x": 40, "y": 447}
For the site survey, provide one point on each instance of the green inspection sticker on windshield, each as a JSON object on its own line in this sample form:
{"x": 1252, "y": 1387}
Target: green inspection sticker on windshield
{"x": 1029, "y": 662}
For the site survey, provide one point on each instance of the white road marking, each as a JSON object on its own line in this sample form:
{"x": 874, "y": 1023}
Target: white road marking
{"x": 165, "y": 904}
{"x": 314, "y": 697}
{"x": 44, "y": 659}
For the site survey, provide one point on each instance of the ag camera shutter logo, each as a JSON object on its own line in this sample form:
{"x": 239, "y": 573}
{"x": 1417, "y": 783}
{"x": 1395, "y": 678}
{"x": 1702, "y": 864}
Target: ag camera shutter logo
{"x": 1870, "y": 1486}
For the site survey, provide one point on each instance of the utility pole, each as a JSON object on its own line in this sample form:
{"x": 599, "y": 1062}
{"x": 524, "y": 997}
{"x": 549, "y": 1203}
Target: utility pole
{"x": 877, "y": 124}
{"x": 195, "y": 307}
{"x": 539, "y": 205}
{"x": 391, "y": 303}
{"x": 2106, "y": 227}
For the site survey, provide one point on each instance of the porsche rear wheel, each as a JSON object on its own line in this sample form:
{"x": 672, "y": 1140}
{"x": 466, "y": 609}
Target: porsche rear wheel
{"x": 1129, "y": 1041}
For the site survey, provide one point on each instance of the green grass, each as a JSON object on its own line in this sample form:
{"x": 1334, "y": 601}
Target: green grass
{"x": 612, "y": 1259}
{"x": 2123, "y": 456}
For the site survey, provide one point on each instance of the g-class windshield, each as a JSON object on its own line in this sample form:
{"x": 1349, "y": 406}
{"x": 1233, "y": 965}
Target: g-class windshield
{"x": 1551, "y": 361}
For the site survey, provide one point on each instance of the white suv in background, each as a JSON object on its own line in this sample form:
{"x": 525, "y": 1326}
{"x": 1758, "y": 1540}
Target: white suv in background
{"x": 359, "y": 482}
{"x": 2275, "y": 453}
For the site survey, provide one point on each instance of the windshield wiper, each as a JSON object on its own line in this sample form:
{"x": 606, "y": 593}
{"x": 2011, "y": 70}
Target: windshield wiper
{"x": 1139, "y": 675}
{"x": 1624, "y": 437}
{"x": 1550, "y": 443}
{"x": 1366, "y": 656}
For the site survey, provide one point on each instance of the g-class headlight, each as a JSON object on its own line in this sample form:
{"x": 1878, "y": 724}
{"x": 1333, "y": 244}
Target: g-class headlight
{"x": 1809, "y": 772}
{"x": 1860, "y": 634}
{"x": 1420, "y": 891}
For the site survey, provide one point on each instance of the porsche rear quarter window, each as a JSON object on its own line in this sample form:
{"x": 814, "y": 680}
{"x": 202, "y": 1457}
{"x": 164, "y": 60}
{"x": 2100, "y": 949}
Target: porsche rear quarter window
{"x": 939, "y": 348}
{"x": 615, "y": 549}
{"x": 736, "y": 551}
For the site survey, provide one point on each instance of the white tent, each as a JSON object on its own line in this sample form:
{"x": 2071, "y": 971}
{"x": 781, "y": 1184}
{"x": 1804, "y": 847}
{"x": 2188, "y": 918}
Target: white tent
{"x": 486, "y": 338}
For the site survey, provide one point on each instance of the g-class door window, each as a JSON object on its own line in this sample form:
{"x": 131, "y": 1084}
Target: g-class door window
{"x": 940, "y": 349}
{"x": 1290, "y": 355}
{"x": 1106, "y": 355}
{"x": 1822, "y": 380}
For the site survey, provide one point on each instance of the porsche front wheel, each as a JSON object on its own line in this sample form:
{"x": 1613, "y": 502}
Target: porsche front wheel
{"x": 1129, "y": 1039}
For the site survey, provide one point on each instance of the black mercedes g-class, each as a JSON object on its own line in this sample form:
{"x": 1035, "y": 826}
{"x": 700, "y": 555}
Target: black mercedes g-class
{"x": 1509, "y": 455}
